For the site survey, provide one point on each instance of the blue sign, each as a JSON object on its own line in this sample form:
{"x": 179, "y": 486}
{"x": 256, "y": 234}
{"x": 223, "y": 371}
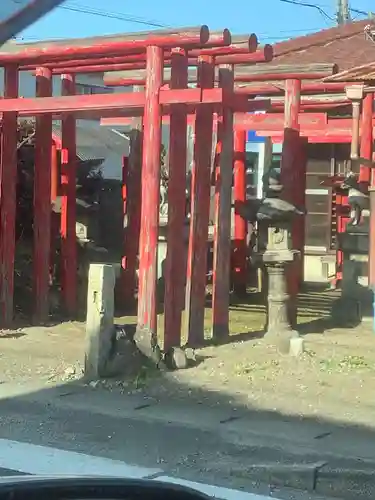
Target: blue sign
{"x": 253, "y": 137}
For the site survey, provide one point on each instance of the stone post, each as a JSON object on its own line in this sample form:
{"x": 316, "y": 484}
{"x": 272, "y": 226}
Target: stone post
{"x": 278, "y": 329}
{"x": 99, "y": 320}
{"x": 277, "y": 299}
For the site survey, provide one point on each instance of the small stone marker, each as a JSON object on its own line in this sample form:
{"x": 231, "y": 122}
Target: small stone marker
{"x": 296, "y": 346}
{"x": 99, "y": 319}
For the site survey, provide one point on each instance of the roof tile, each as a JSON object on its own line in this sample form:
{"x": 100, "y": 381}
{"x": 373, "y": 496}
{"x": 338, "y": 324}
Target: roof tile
{"x": 347, "y": 46}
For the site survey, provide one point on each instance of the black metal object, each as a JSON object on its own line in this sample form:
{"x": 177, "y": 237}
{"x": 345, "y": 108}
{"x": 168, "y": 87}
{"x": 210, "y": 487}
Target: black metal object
{"x": 28, "y": 12}
{"x": 93, "y": 488}
{"x": 271, "y": 209}
{"x": 353, "y": 242}
{"x": 358, "y": 197}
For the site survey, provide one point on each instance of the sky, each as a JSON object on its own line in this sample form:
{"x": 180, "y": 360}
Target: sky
{"x": 271, "y": 20}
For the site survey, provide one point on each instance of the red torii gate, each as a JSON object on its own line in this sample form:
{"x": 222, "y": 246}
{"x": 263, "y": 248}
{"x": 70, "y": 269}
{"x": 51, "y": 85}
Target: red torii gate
{"x": 152, "y": 103}
{"x": 200, "y": 205}
{"x": 68, "y": 107}
{"x": 294, "y": 127}
{"x": 363, "y": 76}
{"x": 242, "y": 123}
{"x": 156, "y": 101}
{"x": 334, "y": 130}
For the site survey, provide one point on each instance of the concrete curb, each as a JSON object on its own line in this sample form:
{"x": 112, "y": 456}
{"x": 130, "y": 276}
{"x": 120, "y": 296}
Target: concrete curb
{"x": 296, "y": 476}
{"x": 320, "y": 478}
{"x": 346, "y": 483}
{"x": 277, "y": 459}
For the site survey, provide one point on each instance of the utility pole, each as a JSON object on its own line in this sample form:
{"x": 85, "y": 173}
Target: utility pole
{"x": 343, "y": 13}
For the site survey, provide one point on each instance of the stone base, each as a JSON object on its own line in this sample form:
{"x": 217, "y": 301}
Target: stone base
{"x": 220, "y": 333}
{"x": 146, "y": 342}
{"x": 297, "y": 346}
{"x": 277, "y": 256}
{"x": 176, "y": 359}
{"x": 281, "y": 339}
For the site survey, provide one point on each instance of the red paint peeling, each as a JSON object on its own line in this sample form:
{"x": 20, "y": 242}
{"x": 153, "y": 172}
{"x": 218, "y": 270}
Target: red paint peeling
{"x": 223, "y": 195}
{"x": 8, "y": 152}
{"x": 200, "y": 201}
{"x": 150, "y": 192}
{"x": 42, "y": 200}
{"x": 176, "y": 249}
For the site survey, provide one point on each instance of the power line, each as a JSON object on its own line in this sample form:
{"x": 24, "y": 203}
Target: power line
{"x": 112, "y": 15}
{"x": 310, "y": 5}
{"x": 279, "y": 35}
{"x": 126, "y": 17}
{"x": 360, "y": 12}
{"x": 149, "y": 22}
{"x": 323, "y": 12}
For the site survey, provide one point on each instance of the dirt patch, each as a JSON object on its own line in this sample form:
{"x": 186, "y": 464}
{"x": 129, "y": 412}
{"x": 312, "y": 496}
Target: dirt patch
{"x": 46, "y": 354}
{"x": 333, "y": 379}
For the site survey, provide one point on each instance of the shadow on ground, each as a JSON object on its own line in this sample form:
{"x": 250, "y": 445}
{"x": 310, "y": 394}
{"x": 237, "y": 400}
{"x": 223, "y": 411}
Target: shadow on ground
{"x": 196, "y": 434}
{"x": 200, "y": 421}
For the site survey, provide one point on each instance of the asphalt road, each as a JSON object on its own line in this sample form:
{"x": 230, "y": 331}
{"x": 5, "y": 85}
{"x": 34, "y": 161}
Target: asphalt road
{"x": 9, "y": 472}
{"x": 37, "y": 437}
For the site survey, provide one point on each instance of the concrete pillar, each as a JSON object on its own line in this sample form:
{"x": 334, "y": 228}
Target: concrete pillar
{"x": 279, "y": 331}
{"x": 99, "y": 320}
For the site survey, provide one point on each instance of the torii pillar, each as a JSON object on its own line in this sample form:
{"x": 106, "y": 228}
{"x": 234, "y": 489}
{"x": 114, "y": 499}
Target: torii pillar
{"x": 293, "y": 178}
{"x": 240, "y": 225}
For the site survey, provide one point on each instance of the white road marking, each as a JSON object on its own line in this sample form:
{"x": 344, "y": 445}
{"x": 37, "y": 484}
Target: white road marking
{"x": 35, "y": 459}
{"x": 215, "y": 491}
{"x": 44, "y": 460}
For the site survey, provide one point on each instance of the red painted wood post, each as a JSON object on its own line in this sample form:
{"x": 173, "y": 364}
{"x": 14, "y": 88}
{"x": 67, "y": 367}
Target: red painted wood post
{"x": 366, "y": 137}
{"x": 68, "y": 202}
{"x": 200, "y": 212}
{"x": 223, "y": 212}
{"x": 366, "y": 151}
{"x": 42, "y": 199}
{"x": 8, "y": 198}
{"x": 133, "y": 215}
{"x": 124, "y": 292}
{"x": 55, "y": 221}
{"x": 290, "y": 177}
{"x": 54, "y": 172}
{"x": 148, "y": 241}
{"x": 125, "y": 185}
{"x": 371, "y": 254}
{"x": 371, "y": 260}
{"x": 132, "y": 232}
{"x": 176, "y": 248}
{"x": 341, "y": 226}
{"x": 240, "y": 225}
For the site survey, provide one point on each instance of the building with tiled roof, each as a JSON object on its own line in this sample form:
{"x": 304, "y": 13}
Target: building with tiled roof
{"x": 347, "y": 46}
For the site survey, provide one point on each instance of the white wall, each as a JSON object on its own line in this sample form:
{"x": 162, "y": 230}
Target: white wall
{"x": 27, "y": 83}
{"x": 113, "y": 164}
{"x": 112, "y": 167}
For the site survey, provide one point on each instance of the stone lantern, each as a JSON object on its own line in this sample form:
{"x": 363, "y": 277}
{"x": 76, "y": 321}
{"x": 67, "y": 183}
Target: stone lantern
{"x": 275, "y": 216}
